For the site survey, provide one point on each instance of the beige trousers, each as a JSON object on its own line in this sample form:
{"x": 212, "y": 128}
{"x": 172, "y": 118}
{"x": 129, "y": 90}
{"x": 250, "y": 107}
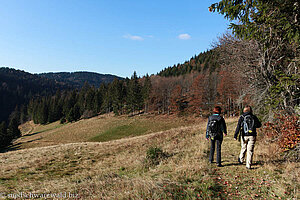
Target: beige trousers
{"x": 247, "y": 145}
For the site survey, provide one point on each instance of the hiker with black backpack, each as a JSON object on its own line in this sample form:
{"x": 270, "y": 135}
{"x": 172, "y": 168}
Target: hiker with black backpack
{"x": 216, "y": 126}
{"x": 246, "y": 127}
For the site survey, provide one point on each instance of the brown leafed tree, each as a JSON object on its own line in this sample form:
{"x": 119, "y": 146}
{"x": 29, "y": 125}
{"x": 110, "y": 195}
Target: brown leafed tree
{"x": 197, "y": 92}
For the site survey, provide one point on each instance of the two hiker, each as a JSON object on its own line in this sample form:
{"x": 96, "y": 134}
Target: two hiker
{"x": 246, "y": 127}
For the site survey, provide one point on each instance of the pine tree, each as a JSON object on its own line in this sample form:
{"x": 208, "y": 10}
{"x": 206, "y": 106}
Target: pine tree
{"x": 43, "y": 111}
{"x": 99, "y": 98}
{"x": 13, "y": 130}
{"x": 116, "y": 95}
{"x": 146, "y": 91}
{"x": 106, "y": 99}
{"x": 69, "y": 102}
{"x": 58, "y": 105}
{"x": 134, "y": 96}
{"x": 90, "y": 99}
{"x": 23, "y": 114}
{"x": 3, "y": 135}
{"x": 70, "y": 116}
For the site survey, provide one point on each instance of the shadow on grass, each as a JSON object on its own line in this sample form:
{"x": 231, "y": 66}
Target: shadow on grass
{"x": 257, "y": 163}
{"x": 34, "y": 133}
{"x": 217, "y": 189}
{"x": 231, "y": 164}
{"x": 17, "y": 146}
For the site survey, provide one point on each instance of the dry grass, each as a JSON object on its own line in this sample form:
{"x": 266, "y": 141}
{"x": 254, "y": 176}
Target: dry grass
{"x": 98, "y": 127}
{"x": 117, "y": 170}
{"x": 88, "y": 168}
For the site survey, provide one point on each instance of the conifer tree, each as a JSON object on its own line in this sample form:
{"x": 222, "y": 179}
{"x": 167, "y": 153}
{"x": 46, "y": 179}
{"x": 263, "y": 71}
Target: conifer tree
{"x": 23, "y": 114}
{"x": 13, "y": 130}
{"x": 134, "y": 96}
{"x": 116, "y": 95}
{"x": 43, "y": 111}
{"x": 3, "y": 134}
{"x": 58, "y": 105}
{"x": 99, "y": 98}
{"x": 52, "y": 111}
{"x": 106, "y": 104}
{"x": 69, "y": 102}
{"x": 90, "y": 99}
{"x": 146, "y": 91}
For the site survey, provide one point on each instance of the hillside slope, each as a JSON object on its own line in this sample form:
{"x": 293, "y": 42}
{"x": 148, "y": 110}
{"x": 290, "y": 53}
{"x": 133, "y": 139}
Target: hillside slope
{"x": 97, "y": 129}
{"x": 120, "y": 169}
{"x": 18, "y": 87}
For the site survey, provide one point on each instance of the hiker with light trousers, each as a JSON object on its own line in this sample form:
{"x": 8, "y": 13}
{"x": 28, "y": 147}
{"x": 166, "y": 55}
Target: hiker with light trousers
{"x": 216, "y": 126}
{"x": 246, "y": 127}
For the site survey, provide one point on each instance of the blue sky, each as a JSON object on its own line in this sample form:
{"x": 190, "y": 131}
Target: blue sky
{"x": 105, "y": 36}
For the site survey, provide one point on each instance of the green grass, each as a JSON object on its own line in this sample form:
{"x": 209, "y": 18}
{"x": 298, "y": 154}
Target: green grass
{"x": 134, "y": 127}
{"x": 120, "y": 132}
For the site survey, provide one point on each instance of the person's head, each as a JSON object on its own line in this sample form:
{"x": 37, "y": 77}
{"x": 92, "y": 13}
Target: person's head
{"x": 247, "y": 109}
{"x": 217, "y": 110}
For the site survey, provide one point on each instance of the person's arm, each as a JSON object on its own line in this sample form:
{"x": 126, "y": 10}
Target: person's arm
{"x": 224, "y": 128}
{"x": 257, "y": 122}
{"x": 207, "y": 136}
{"x": 238, "y": 128}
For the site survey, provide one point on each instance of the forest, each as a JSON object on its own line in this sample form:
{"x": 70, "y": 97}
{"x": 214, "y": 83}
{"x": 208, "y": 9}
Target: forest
{"x": 78, "y": 79}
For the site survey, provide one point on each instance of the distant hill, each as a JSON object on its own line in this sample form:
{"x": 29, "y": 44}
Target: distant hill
{"x": 205, "y": 61}
{"x": 18, "y": 87}
{"x": 77, "y": 79}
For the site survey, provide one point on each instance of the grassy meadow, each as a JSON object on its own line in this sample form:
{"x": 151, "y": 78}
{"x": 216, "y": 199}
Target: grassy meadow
{"x": 98, "y": 129}
{"x": 110, "y": 157}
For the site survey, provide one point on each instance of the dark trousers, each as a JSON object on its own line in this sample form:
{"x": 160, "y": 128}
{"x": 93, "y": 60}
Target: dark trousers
{"x": 217, "y": 140}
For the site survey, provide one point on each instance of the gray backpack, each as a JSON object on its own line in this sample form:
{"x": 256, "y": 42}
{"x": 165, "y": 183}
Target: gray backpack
{"x": 248, "y": 124}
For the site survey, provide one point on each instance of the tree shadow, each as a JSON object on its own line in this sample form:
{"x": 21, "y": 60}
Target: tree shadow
{"x": 32, "y": 134}
{"x": 17, "y": 146}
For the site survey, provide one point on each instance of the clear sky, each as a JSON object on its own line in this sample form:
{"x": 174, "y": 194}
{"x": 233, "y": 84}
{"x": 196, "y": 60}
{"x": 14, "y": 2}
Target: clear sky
{"x": 105, "y": 36}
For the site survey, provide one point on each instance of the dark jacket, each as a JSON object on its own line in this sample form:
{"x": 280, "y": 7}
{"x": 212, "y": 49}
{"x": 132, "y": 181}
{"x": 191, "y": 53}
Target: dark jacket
{"x": 222, "y": 121}
{"x": 257, "y": 124}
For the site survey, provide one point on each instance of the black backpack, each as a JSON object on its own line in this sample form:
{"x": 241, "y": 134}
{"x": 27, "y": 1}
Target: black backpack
{"x": 214, "y": 127}
{"x": 248, "y": 124}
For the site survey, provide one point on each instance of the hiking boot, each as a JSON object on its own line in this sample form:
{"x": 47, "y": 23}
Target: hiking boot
{"x": 240, "y": 162}
{"x": 220, "y": 165}
{"x": 249, "y": 168}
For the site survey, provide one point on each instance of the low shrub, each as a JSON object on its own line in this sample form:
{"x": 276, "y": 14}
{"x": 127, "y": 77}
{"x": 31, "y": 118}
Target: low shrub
{"x": 155, "y": 155}
{"x": 285, "y": 131}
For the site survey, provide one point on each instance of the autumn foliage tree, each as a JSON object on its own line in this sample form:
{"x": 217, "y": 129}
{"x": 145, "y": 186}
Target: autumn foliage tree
{"x": 197, "y": 93}
{"x": 228, "y": 91}
{"x": 175, "y": 99}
